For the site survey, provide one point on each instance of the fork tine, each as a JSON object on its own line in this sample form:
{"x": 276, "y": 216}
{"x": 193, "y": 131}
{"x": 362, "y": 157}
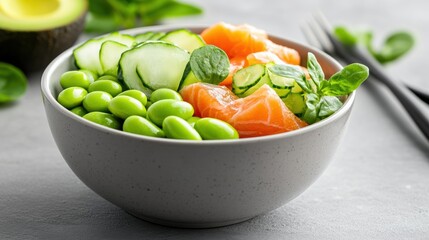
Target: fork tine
{"x": 321, "y": 36}
{"x": 309, "y": 35}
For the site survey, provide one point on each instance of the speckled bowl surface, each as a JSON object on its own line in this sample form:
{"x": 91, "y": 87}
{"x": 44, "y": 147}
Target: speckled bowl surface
{"x": 193, "y": 184}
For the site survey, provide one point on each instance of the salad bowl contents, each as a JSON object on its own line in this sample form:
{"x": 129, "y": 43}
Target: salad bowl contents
{"x": 198, "y": 126}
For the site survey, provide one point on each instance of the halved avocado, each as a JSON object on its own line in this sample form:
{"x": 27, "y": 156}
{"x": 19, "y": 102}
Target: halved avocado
{"x": 33, "y": 32}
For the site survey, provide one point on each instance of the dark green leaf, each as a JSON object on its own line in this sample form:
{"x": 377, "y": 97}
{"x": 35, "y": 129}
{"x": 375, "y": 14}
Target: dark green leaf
{"x": 13, "y": 83}
{"x": 315, "y": 70}
{"x": 210, "y": 64}
{"x": 171, "y": 10}
{"x": 100, "y": 24}
{"x": 100, "y": 7}
{"x": 345, "y": 36}
{"x": 293, "y": 72}
{"x": 328, "y": 105}
{"x": 395, "y": 46}
{"x": 345, "y": 81}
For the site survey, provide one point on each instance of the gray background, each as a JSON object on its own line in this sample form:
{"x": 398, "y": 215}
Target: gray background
{"x": 377, "y": 187}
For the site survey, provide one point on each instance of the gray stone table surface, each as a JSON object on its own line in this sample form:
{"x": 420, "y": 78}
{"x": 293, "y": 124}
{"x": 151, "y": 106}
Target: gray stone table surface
{"x": 377, "y": 187}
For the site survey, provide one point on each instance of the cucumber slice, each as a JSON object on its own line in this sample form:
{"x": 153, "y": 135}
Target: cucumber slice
{"x": 282, "y": 92}
{"x": 153, "y": 65}
{"x": 248, "y": 77}
{"x": 188, "y": 77}
{"x": 184, "y": 39}
{"x": 295, "y": 102}
{"x": 264, "y": 80}
{"x": 87, "y": 55}
{"x": 110, "y": 53}
{"x": 157, "y": 36}
{"x": 279, "y": 81}
{"x": 143, "y": 37}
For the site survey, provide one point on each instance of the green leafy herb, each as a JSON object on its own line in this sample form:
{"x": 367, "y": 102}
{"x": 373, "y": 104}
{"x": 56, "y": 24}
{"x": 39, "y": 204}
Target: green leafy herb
{"x": 13, "y": 83}
{"x": 112, "y": 15}
{"x": 321, "y": 98}
{"x": 210, "y": 64}
{"x": 395, "y": 46}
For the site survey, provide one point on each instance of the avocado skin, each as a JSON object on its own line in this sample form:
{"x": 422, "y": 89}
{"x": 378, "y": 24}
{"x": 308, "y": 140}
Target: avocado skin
{"x": 33, "y": 51}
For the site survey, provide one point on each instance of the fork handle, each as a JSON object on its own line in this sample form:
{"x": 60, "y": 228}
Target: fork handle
{"x": 409, "y": 101}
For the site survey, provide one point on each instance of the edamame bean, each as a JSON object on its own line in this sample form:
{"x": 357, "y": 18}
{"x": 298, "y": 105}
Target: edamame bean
{"x": 102, "y": 118}
{"x": 80, "y": 111}
{"x": 111, "y": 87}
{"x": 97, "y": 101}
{"x": 125, "y": 106}
{"x": 214, "y": 129}
{"x": 92, "y": 76}
{"x": 193, "y": 120}
{"x": 164, "y": 93}
{"x": 161, "y": 109}
{"x": 178, "y": 128}
{"x": 72, "y": 97}
{"x": 108, "y": 77}
{"x": 139, "y": 95}
{"x": 142, "y": 126}
{"x": 74, "y": 79}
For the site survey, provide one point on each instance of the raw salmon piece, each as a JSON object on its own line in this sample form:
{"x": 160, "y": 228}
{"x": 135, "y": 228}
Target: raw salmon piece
{"x": 262, "y": 113}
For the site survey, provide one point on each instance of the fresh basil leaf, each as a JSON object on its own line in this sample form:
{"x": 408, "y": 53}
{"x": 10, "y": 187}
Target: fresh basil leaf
{"x": 13, "y": 83}
{"x": 311, "y": 113}
{"x": 328, "y": 105}
{"x": 345, "y": 36}
{"x": 395, "y": 46}
{"x": 210, "y": 64}
{"x": 293, "y": 72}
{"x": 345, "y": 81}
{"x": 315, "y": 70}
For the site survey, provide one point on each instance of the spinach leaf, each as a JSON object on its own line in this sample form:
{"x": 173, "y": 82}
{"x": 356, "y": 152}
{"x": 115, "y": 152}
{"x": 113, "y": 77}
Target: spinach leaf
{"x": 345, "y": 81}
{"x": 395, "y": 46}
{"x": 209, "y": 64}
{"x": 311, "y": 113}
{"x": 328, "y": 105}
{"x": 293, "y": 72}
{"x": 13, "y": 83}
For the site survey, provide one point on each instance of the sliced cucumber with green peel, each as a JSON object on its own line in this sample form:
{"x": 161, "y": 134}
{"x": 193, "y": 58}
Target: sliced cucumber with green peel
{"x": 110, "y": 53}
{"x": 188, "y": 79}
{"x": 295, "y": 102}
{"x": 248, "y": 77}
{"x": 156, "y": 36}
{"x": 87, "y": 55}
{"x": 184, "y": 39}
{"x": 279, "y": 81}
{"x": 264, "y": 80}
{"x": 143, "y": 37}
{"x": 153, "y": 65}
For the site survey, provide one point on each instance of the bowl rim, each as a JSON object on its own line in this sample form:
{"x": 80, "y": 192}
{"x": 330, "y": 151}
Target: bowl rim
{"x": 48, "y": 95}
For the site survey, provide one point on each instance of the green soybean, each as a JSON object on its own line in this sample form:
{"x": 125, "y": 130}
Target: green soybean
{"x": 80, "y": 111}
{"x": 111, "y": 87}
{"x": 105, "y": 119}
{"x": 193, "y": 120}
{"x": 97, "y": 101}
{"x": 215, "y": 129}
{"x": 142, "y": 126}
{"x": 75, "y": 79}
{"x": 72, "y": 97}
{"x": 178, "y": 128}
{"x": 139, "y": 95}
{"x": 161, "y": 109}
{"x": 164, "y": 93}
{"x": 125, "y": 106}
{"x": 92, "y": 76}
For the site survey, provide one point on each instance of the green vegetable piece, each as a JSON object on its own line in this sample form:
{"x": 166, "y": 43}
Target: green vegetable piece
{"x": 193, "y": 120}
{"x": 105, "y": 119}
{"x": 111, "y": 87}
{"x": 139, "y": 95}
{"x": 178, "y": 128}
{"x": 345, "y": 81}
{"x": 75, "y": 79}
{"x": 295, "y": 102}
{"x": 72, "y": 97}
{"x": 292, "y": 72}
{"x": 311, "y": 113}
{"x": 210, "y": 64}
{"x": 142, "y": 126}
{"x": 328, "y": 106}
{"x": 315, "y": 70}
{"x": 161, "y": 109}
{"x": 13, "y": 83}
{"x": 345, "y": 36}
{"x": 125, "y": 106}
{"x": 215, "y": 129}
{"x": 108, "y": 77}
{"x": 80, "y": 111}
{"x": 394, "y": 47}
{"x": 92, "y": 76}
{"x": 97, "y": 101}
{"x": 164, "y": 93}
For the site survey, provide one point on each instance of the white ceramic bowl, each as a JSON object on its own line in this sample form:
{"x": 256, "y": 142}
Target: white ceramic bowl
{"x": 193, "y": 184}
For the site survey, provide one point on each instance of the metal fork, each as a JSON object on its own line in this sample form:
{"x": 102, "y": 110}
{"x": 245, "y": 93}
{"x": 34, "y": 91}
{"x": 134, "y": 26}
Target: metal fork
{"x": 319, "y": 33}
